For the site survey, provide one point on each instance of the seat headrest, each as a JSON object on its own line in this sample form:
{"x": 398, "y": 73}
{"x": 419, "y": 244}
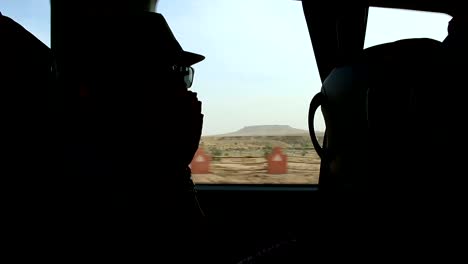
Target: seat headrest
{"x": 375, "y": 107}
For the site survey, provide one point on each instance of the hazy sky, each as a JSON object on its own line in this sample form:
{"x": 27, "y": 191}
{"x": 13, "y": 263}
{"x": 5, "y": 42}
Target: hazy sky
{"x": 34, "y": 15}
{"x": 260, "y": 67}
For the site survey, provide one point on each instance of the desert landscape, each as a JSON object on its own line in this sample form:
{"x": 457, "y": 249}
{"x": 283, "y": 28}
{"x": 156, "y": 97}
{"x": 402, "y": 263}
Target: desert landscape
{"x": 241, "y": 157}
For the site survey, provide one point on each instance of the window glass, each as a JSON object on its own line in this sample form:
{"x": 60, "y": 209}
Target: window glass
{"x": 388, "y": 25}
{"x": 33, "y": 15}
{"x": 256, "y": 84}
{"x": 258, "y": 78}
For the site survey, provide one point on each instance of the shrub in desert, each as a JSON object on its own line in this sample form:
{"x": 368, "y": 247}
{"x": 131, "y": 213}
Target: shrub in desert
{"x": 216, "y": 153}
{"x": 267, "y": 149}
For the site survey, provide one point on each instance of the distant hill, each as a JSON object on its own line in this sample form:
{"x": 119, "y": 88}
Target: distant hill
{"x": 266, "y": 130}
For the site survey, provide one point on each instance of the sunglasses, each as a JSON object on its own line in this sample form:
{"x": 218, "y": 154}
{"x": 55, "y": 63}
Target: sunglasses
{"x": 184, "y": 73}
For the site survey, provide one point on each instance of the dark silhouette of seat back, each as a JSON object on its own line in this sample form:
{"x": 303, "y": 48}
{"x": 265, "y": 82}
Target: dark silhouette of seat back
{"x": 382, "y": 111}
{"x": 29, "y": 143}
{"x": 393, "y": 160}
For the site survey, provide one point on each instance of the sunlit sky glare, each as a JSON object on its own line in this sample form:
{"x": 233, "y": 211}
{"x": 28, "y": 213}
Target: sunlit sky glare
{"x": 260, "y": 67}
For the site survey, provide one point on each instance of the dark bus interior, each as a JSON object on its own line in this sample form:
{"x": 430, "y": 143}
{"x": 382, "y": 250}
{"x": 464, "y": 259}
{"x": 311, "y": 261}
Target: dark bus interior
{"x": 354, "y": 212}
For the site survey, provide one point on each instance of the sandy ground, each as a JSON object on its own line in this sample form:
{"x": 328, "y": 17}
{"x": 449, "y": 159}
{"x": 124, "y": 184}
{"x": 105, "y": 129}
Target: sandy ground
{"x": 253, "y": 170}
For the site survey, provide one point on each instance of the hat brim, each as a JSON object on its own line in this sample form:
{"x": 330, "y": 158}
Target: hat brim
{"x": 189, "y": 58}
